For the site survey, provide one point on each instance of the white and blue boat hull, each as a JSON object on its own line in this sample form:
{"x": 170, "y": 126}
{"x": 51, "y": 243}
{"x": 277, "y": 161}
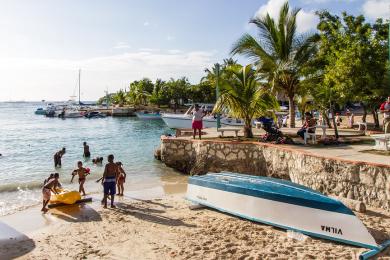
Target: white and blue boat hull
{"x": 280, "y": 203}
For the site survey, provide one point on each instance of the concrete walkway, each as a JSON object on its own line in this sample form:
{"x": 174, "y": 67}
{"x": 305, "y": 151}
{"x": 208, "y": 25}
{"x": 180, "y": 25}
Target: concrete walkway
{"x": 352, "y": 152}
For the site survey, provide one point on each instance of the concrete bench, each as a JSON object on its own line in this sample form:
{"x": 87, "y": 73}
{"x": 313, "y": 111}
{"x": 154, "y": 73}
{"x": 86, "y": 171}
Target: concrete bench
{"x": 382, "y": 142}
{"x": 362, "y": 127}
{"x": 223, "y": 130}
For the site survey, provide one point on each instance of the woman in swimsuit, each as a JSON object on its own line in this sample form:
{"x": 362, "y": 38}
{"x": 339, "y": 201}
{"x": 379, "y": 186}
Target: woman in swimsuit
{"x": 49, "y": 187}
{"x": 121, "y": 179}
{"x": 82, "y": 173}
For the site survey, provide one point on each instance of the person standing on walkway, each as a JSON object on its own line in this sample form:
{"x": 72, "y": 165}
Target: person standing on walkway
{"x": 385, "y": 109}
{"x": 197, "y": 117}
{"x": 86, "y": 154}
{"x": 57, "y": 157}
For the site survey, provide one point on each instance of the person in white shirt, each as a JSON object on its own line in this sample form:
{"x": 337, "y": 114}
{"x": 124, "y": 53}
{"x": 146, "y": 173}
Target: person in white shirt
{"x": 197, "y": 124}
{"x": 385, "y": 109}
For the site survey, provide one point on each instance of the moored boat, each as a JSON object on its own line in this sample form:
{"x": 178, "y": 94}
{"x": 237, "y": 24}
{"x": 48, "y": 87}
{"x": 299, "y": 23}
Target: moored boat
{"x": 94, "y": 114}
{"x": 180, "y": 121}
{"x": 282, "y": 204}
{"x": 148, "y": 115}
{"x": 40, "y": 111}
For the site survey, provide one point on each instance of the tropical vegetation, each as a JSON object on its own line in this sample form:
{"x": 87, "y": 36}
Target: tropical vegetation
{"x": 279, "y": 53}
{"x": 344, "y": 61}
{"x": 243, "y": 96}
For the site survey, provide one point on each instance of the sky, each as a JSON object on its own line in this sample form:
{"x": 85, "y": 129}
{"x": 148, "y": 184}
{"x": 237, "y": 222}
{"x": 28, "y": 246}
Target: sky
{"x": 43, "y": 43}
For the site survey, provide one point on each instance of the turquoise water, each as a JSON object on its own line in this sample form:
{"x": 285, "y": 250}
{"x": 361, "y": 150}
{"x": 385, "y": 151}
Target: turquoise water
{"x": 28, "y": 143}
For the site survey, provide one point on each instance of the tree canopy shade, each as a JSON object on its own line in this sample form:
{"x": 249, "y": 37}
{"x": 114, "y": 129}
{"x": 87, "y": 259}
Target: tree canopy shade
{"x": 243, "y": 96}
{"x": 279, "y": 53}
{"x": 351, "y": 62}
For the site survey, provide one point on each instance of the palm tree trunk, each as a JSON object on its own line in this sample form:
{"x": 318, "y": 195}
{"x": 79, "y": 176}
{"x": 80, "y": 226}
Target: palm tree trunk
{"x": 291, "y": 110}
{"x": 248, "y": 132}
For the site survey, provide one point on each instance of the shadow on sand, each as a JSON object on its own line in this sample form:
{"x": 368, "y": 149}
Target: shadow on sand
{"x": 13, "y": 244}
{"x": 151, "y": 215}
{"x": 76, "y": 213}
{"x": 151, "y": 202}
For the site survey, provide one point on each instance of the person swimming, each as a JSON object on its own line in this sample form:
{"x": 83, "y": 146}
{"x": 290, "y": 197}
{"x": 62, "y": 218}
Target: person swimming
{"x": 121, "y": 179}
{"x": 98, "y": 160}
{"x": 49, "y": 187}
{"x": 82, "y": 173}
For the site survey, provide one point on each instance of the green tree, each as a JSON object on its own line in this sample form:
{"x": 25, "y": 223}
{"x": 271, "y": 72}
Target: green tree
{"x": 120, "y": 98}
{"x": 140, "y": 91}
{"x": 243, "y": 96}
{"x": 178, "y": 90}
{"x": 279, "y": 53}
{"x": 160, "y": 95}
{"x": 351, "y": 62}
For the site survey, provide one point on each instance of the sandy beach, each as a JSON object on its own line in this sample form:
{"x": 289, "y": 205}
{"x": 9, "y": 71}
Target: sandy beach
{"x": 167, "y": 229}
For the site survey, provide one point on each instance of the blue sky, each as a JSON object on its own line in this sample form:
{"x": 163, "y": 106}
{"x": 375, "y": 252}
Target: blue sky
{"x": 44, "y": 43}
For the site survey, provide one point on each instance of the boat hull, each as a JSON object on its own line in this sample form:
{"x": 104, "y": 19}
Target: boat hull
{"x": 185, "y": 121}
{"x": 148, "y": 116}
{"x": 281, "y": 211}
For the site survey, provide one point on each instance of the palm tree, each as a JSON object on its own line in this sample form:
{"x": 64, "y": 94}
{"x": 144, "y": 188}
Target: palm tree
{"x": 279, "y": 53}
{"x": 243, "y": 96}
{"x": 120, "y": 97}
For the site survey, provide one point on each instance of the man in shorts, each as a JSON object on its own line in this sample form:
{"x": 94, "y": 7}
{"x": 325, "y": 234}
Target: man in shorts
{"x": 109, "y": 180}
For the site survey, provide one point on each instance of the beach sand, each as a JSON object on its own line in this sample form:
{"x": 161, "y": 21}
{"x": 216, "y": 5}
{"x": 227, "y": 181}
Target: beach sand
{"x": 167, "y": 229}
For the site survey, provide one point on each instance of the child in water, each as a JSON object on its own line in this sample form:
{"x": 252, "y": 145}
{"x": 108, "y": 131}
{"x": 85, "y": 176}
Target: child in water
{"x": 98, "y": 160}
{"x": 50, "y": 186}
{"x": 121, "y": 179}
{"x": 82, "y": 173}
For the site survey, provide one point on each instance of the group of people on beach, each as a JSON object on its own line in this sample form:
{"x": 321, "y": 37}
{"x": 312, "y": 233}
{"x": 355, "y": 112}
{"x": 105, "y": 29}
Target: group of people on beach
{"x": 113, "y": 178}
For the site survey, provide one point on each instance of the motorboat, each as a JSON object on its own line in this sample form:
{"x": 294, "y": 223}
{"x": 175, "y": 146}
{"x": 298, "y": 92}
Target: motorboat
{"x": 148, "y": 115}
{"x": 94, "y": 114}
{"x": 282, "y": 204}
{"x": 180, "y": 121}
{"x": 40, "y": 111}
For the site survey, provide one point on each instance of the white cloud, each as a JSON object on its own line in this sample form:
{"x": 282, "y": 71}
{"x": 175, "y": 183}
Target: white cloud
{"x": 146, "y": 23}
{"x": 122, "y": 45}
{"x": 306, "y": 20}
{"x": 54, "y": 79}
{"x": 377, "y": 9}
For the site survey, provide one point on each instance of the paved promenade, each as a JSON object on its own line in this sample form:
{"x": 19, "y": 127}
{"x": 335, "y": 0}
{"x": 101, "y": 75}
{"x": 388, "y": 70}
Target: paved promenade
{"x": 352, "y": 152}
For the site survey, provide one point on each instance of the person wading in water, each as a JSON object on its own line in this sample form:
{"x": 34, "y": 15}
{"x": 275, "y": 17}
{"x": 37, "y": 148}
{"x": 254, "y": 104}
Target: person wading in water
{"x": 86, "y": 154}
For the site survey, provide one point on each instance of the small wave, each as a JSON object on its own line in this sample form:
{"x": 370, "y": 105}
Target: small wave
{"x": 20, "y": 186}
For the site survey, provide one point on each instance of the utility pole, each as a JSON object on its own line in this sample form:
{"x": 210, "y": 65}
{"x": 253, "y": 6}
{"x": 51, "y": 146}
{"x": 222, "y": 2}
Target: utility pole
{"x": 217, "y": 93}
{"x": 79, "y": 85}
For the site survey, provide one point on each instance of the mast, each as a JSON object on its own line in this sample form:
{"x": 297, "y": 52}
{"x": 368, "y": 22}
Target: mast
{"x": 79, "y": 84}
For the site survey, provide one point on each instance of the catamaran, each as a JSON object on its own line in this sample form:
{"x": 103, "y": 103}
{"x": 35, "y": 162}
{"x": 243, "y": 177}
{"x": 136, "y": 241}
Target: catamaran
{"x": 282, "y": 204}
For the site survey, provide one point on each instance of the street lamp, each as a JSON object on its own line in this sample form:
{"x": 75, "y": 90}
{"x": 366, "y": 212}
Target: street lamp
{"x": 217, "y": 93}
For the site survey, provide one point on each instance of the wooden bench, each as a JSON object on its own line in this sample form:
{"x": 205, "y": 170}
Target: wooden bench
{"x": 223, "y": 130}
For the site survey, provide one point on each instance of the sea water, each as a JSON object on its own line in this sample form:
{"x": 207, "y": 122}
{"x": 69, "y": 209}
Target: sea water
{"x": 28, "y": 143}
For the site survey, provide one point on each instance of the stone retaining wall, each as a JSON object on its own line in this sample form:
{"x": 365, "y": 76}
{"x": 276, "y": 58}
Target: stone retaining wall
{"x": 369, "y": 183}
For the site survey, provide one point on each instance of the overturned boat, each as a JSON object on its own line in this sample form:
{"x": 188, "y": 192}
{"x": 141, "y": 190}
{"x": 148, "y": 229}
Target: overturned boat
{"x": 282, "y": 204}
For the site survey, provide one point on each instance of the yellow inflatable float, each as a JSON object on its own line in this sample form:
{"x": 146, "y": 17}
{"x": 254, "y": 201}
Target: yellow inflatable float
{"x": 65, "y": 196}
